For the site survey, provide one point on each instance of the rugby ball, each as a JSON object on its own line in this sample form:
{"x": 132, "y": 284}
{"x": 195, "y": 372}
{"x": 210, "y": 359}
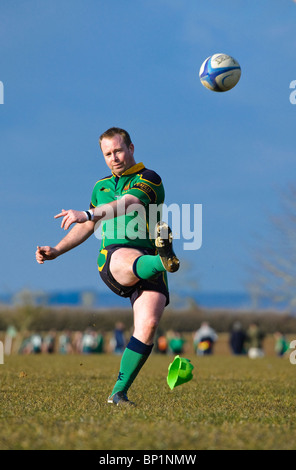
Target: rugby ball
{"x": 220, "y": 72}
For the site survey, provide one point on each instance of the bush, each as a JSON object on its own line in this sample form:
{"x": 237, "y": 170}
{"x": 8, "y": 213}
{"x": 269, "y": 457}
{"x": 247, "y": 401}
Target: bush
{"x": 28, "y": 318}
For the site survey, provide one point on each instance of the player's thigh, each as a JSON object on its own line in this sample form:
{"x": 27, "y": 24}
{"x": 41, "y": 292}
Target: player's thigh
{"x": 121, "y": 265}
{"x": 148, "y": 309}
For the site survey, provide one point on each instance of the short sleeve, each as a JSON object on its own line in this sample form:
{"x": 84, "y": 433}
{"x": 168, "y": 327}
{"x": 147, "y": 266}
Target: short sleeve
{"x": 148, "y": 188}
{"x": 93, "y": 201}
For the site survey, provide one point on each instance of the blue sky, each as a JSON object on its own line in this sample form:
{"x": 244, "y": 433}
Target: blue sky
{"x": 72, "y": 68}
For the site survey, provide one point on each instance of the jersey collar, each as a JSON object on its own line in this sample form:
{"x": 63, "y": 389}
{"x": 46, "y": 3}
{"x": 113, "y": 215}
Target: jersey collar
{"x": 133, "y": 169}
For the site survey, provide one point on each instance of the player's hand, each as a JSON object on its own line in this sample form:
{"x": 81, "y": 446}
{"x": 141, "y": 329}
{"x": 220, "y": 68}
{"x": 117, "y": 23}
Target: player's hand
{"x": 71, "y": 217}
{"x": 45, "y": 253}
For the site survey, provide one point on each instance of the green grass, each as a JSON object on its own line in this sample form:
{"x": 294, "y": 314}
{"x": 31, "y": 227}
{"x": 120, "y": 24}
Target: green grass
{"x": 59, "y": 402}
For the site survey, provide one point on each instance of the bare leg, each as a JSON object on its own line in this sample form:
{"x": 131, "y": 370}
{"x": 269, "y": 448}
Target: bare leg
{"x": 121, "y": 266}
{"x": 148, "y": 309}
{"x": 149, "y": 306}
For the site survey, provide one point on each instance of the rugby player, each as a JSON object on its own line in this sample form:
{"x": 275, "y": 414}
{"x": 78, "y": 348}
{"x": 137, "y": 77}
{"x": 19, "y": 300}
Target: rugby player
{"x": 132, "y": 262}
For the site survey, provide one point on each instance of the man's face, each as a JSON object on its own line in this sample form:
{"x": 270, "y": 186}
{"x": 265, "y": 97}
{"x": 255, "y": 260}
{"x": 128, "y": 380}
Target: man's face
{"x": 118, "y": 156}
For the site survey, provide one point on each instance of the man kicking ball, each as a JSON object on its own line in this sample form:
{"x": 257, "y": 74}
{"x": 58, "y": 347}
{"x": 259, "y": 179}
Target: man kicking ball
{"x": 131, "y": 262}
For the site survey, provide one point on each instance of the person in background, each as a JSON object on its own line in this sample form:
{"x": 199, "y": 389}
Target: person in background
{"x": 237, "y": 339}
{"x": 176, "y": 343}
{"x": 161, "y": 341}
{"x": 118, "y": 342}
{"x": 204, "y": 339}
{"x": 65, "y": 343}
{"x": 281, "y": 344}
{"x": 254, "y": 341}
{"x": 48, "y": 344}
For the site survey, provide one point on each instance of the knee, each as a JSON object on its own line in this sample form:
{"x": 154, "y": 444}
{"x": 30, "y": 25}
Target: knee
{"x": 152, "y": 324}
{"x": 145, "y": 331}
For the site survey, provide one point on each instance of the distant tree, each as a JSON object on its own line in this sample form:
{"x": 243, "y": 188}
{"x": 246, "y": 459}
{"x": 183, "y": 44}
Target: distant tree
{"x": 273, "y": 276}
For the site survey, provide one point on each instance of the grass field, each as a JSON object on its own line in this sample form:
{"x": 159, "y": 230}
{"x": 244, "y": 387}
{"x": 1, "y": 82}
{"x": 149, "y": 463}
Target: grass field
{"x": 54, "y": 402}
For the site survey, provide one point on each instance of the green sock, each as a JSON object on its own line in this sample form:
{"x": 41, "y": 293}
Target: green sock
{"x": 134, "y": 357}
{"x": 147, "y": 266}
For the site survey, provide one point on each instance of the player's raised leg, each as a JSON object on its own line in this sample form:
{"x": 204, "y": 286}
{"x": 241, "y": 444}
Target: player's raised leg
{"x": 128, "y": 265}
{"x": 164, "y": 246}
{"x": 148, "y": 266}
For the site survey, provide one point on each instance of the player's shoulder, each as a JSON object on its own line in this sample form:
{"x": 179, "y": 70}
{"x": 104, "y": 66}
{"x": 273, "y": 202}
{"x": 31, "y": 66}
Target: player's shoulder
{"x": 102, "y": 180}
{"x": 150, "y": 175}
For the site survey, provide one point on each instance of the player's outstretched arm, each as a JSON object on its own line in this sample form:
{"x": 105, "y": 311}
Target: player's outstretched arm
{"x": 70, "y": 217}
{"x": 106, "y": 211}
{"x": 75, "y": 237}
{"x": 45, "y": 253}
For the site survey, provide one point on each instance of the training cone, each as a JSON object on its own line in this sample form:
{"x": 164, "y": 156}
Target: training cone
{"x": 180, "y": 372}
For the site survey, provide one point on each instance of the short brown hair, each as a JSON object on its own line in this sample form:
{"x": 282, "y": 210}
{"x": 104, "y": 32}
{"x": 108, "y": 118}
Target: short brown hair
{"x": 114, "y": 131}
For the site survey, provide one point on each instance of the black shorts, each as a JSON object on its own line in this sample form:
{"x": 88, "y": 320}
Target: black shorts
{"x": 158, "y": 284}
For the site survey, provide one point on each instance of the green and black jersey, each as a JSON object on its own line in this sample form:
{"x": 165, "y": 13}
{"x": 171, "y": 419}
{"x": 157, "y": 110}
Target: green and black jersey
{"x": 136, "y": 227}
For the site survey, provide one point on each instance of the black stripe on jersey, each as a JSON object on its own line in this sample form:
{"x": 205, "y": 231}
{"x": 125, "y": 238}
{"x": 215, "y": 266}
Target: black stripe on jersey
{"x": 105, "y": 178}
{"x": 148, "y": 190}
{"x": 150, "y": 175}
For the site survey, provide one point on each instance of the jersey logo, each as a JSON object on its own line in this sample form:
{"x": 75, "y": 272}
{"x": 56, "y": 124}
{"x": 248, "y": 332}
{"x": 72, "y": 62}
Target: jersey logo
{"x": 106, "y": 190}
{"x": 120, "y": 376}
{"x": 147, "y": 190}
{"x": 104, "y": 253}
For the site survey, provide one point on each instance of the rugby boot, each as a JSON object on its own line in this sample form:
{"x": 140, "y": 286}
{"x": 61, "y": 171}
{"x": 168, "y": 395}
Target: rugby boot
{"x": 119, "y": 399}
{"x": 164, "y": 246}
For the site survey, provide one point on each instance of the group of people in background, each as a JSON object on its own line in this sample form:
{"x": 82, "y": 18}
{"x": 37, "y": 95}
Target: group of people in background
{"x": 241, "y": 341}
{"x": 89, "y": 341}
{"x": 249, "y": 341}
